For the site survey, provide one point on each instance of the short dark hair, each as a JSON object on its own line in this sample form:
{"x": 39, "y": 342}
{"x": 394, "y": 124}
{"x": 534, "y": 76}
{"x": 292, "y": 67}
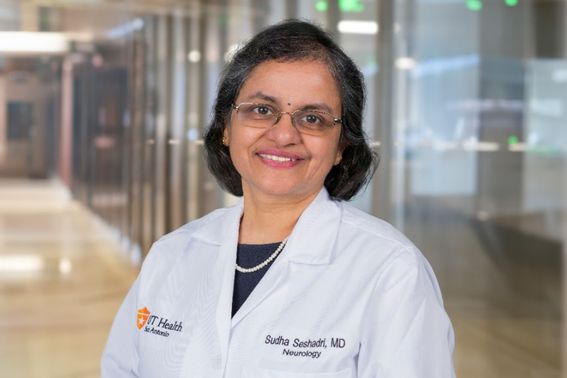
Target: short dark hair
{"x": 295, "y": 40}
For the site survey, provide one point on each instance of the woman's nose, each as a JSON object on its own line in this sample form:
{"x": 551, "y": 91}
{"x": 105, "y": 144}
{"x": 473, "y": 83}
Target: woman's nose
{"x": 283, "y": 132}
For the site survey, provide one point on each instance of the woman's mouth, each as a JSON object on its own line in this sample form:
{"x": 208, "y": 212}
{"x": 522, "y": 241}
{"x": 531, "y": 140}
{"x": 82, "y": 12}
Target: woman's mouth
{"x": 276, "y": 158}
{"x": 279, "y": 159}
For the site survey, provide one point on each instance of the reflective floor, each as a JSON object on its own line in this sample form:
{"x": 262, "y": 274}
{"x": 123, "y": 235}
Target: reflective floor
{"x": 507, "y": 318}
{"x": 63, "y": 275}
{"x": 62, "y": 278}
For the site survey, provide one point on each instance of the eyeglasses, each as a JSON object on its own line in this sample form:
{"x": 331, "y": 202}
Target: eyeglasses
{"x": 264, "y": 116}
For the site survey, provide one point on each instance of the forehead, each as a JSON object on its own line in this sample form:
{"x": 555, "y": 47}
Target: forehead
{"x": 297, "y": 83}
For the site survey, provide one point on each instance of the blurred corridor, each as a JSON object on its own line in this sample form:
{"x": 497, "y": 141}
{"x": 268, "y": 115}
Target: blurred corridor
{"x": 103, "y": 105}
{"x": 62, "y": 278}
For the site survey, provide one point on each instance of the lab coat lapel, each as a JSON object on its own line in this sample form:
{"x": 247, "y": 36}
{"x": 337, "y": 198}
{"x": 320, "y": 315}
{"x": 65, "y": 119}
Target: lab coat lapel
{"x": 271, "y": 280}
{"x": 311, "y": 242}
{"x": 226, "y": 234}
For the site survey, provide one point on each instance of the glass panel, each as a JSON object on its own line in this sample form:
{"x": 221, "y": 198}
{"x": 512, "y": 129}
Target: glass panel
{"x": 149, "y": 130}
{"x": 176, "y": 139}
{"x": 480, "y": 91}
{"x": 215, "y": 46}
{"x": 195, "y": 117}
{"x": 357, "y": 32}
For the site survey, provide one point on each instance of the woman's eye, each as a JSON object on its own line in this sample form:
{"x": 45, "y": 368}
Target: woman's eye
{"x": 262, "y": 109}
{"x": 312, "y": 118}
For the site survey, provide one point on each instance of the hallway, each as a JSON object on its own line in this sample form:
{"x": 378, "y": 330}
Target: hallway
{"x": 62, "y": 278}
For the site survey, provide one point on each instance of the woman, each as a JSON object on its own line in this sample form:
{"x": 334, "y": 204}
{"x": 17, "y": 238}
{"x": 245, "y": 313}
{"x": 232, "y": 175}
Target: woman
{"x": 291, "y": 282}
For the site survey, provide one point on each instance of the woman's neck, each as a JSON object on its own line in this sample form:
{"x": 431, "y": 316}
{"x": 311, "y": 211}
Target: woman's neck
{"x": 270, "y": 220}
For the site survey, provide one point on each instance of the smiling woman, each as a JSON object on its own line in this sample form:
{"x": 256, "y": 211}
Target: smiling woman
{"x": 316, "y": 287}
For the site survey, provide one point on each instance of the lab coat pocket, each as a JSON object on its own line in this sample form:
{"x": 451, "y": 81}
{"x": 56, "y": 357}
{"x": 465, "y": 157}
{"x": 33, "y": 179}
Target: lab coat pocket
{"x": 268, "y": 373}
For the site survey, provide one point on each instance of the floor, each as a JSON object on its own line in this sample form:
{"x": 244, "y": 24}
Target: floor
{"x": 63, "y": 275}
{"x": 507, "y": 314}
{"x": 62, "y": 278}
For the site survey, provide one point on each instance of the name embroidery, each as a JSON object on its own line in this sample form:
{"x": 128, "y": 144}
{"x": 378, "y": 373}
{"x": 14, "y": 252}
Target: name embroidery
{"x": 308, "y": 348}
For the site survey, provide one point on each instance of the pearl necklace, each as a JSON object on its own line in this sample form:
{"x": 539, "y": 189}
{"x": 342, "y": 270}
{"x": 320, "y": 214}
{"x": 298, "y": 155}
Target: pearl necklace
{"x": 265, "y": 262}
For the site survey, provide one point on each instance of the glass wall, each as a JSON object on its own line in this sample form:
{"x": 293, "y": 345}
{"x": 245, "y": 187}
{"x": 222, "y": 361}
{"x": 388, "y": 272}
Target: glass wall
{"x": 480, "y": 120}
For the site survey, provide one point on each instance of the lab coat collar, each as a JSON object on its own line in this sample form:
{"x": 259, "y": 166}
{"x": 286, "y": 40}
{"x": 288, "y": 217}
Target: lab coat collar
{"x": 215, "y": 232}
{"x": 311, "y": 241}
{"x": 313, "y": 237}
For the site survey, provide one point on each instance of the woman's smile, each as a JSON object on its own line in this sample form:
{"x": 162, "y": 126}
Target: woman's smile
{"x": 279, "y": 159}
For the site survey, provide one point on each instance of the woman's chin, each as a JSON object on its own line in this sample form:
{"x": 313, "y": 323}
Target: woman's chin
{"x": 281, "y": 190}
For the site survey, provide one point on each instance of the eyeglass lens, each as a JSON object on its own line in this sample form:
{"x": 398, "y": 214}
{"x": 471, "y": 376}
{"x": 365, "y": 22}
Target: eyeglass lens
{"x": 265, "y": 116}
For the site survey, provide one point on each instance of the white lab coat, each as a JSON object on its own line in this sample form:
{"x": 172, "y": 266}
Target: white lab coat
{"x": 348, "y": 297}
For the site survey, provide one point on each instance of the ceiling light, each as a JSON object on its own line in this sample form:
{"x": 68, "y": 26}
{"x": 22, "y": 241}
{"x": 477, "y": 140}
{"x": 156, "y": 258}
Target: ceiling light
{"x": 33, "y": 42}
{"x": 405, "y": 63}
{"x": 358, "y": 27}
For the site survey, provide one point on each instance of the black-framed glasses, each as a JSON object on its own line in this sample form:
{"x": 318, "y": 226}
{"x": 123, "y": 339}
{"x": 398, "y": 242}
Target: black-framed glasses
{"x": 264, "y": 116}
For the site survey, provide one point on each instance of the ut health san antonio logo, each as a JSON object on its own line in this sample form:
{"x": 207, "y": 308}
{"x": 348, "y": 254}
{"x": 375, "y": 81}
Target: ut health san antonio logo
{"x": 155, "y": 324}
{"x": 143, "y": 315}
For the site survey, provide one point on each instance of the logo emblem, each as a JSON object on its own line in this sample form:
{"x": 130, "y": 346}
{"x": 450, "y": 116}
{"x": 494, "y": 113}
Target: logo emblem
{"x": 155, "y": 324}
{"x": 143, "y": 315}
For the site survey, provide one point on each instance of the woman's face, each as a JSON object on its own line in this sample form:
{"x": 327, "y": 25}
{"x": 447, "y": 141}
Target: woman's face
{"x": 280, "y": 161}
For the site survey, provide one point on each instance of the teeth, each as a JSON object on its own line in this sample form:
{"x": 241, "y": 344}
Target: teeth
{"x": 276, "y": 158}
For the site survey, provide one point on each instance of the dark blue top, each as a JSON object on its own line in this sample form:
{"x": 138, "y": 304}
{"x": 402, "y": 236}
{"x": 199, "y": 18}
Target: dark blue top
{"x": 248, "y": 256}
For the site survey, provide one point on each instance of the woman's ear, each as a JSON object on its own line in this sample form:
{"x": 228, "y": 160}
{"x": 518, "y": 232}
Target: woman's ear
{"x": 225, "y": 140}
{"x": 339, "y": 157}
{"x": 342, "y": 146}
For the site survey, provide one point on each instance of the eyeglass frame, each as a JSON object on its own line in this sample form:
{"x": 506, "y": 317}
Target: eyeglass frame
{"x": 278, "y": 115}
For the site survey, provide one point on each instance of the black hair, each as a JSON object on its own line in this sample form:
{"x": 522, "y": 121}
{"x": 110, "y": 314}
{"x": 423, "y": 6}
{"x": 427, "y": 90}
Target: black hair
{"x": 295, "y": 40}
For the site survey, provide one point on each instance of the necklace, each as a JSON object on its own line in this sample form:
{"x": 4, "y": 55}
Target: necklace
{"x": 265, "y": 262}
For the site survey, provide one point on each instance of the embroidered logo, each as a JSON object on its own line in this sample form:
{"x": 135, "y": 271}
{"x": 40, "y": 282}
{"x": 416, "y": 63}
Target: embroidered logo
{"x": 156, "y": 324}
{"x": 143, "y": 315}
